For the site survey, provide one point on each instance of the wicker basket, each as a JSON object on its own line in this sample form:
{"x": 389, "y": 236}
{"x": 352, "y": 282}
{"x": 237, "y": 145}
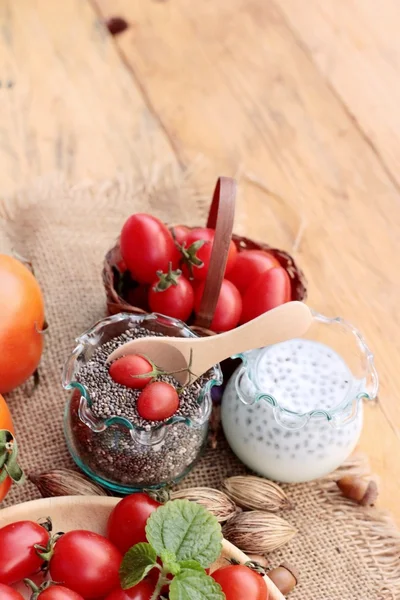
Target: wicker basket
{"x": 119, "y": 286}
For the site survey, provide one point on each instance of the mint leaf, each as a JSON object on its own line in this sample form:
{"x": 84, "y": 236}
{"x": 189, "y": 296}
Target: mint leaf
{"x": 193, "y": 585}
{"x": 137, "y": 562}
{"x": 187, "y": 529}
{"x": 191, "y": 565}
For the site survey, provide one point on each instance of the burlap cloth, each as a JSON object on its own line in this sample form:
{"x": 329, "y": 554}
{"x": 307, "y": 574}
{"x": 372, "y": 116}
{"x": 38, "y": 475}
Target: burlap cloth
{"x": 343, "y": 551}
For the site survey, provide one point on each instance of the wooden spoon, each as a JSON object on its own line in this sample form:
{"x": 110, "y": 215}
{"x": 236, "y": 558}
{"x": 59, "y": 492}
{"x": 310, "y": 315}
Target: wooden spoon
{"x": 173, "y": 354}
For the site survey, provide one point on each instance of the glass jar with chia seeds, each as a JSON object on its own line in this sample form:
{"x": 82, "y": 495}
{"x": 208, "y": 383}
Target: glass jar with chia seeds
{"x": 293, "y": 411}
{"x": 106, "y": 436}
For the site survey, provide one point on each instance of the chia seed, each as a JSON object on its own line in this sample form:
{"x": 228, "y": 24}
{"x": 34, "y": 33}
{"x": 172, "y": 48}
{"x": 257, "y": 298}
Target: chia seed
{"x": 151, "y": 453}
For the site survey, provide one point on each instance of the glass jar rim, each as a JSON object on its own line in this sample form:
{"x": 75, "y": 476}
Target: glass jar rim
{"x": 84, "y": 340}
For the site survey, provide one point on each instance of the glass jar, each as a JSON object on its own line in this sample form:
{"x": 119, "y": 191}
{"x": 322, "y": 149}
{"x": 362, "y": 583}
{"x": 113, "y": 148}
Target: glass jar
{"x": 115, "y": 452}
{"x": 293, "y": 411}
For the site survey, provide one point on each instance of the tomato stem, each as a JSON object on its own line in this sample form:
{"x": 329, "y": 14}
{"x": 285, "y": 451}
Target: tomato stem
{"x": 156, "y": 372}
{"x": 162, "y": 580}
{"x": 9, "y": 466}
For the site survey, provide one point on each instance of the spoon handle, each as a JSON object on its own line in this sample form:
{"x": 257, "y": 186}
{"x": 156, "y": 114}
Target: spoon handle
{"x": 283, "y": 323}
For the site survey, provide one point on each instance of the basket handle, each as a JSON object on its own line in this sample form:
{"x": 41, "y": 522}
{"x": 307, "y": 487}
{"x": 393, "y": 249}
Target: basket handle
{"x": 220, "y": 218}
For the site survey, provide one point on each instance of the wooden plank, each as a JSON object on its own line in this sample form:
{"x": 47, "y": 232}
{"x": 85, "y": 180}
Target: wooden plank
{"x": 356, "y": 45}
{"x": 231, "y": 81}
{"x": 67, "y": 101}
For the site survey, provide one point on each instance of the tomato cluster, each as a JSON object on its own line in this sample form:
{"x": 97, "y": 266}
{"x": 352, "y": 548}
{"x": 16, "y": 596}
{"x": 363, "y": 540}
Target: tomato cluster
{"x": 170, "y": 268}
{"x": 85, "y": 565}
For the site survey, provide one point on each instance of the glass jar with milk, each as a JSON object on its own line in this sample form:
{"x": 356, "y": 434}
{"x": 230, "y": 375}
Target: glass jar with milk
{"x": 293, "y": 411}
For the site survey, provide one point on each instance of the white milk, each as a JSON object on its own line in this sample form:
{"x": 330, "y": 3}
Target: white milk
{"x": 302, "y": 375}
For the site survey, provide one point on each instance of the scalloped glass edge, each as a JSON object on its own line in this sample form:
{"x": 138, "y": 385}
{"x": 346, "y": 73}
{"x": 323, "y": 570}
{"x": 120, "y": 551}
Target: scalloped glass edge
{"x": 69, "y": 384}
{"x": 331, "y": 416}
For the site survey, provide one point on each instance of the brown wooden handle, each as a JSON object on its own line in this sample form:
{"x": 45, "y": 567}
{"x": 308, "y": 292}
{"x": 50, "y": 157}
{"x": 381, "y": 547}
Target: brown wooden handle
{"x": 220, "y": 218}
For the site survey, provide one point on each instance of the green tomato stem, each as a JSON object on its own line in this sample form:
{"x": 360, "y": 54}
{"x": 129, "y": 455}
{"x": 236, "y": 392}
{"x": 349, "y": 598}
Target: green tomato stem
{"x": 162, "y": 580}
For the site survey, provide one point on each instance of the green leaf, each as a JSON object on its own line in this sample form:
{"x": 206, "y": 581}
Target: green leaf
{"x": 136, "y": 564}
{"x": 191, "y": 565}
{"x": 192, "y": 585}
{"x": 187, "y": 529}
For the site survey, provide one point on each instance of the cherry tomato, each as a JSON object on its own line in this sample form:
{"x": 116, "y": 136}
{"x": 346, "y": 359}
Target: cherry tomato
{"x": 229, "y": 306}
{"x": 5, "y": 423}
{"x": 22, "y": 318}
{"x": 248, "y": 266}
{"x": 269, "y": 290}
{"x": 158, "y": 401}
{"x": 147, "y": 246}
{"x": 141, "y": 591}
{"x": 123, "y": 370}
{"x": 7, "y": 593}
{"x": 204, "y": 253}
{"x": 59, "y": 592}
{"x": 176, "y": 301}
{"x": 180, "y": 233}
{"x": 239, "y": 582}
{"x": 127, "y": 522}
{"x": 20, "y": 560}
{"x": 87, "y": 563}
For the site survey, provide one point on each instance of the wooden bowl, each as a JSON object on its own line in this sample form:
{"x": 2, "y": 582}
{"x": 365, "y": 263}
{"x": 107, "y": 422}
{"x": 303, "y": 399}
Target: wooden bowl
{"x": 91, "y": 512}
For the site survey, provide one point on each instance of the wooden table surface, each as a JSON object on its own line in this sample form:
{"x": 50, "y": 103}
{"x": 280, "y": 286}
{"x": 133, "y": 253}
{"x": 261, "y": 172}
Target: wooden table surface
{"x": 299, "y": 99}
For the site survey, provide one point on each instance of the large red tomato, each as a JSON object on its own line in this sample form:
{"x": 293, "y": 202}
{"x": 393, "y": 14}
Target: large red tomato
{"x": 229, "y": 306}
{"x": 21, "y": 321}
{"x": 7, "y": 593}
{"x": 239, "y": 582}
{"x": 204, "y": 253}
{"x": 127, "y": 522}
{"x": 147, "y": 246}
{"x": 176, "y": 300}
{"x": 141, "y": 591}
{"x": 86, "y": 563}
{"x": 269, "y": 290}
{"x": 21, "y": 559}
{"x": 248, "y": 266}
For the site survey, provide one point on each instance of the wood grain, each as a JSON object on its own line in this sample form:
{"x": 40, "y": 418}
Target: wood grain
{"x": 356, "y": 45}
{"x": 236, "y": 84}
{"x": 68, "y": 103}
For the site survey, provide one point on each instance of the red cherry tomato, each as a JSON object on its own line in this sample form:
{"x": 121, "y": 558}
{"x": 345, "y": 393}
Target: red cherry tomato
{"x": 239, "y": 582}
{"x": 176, "y": 301}
{"x": 87, "y": 563}
{"x": 229, "y": 306}
{"x": 204, "y": 253}
{"x": 18, "y": 557}
{"x": 7, "y": 593}
{"x": 158, "y": 401}
{"x": 147, "y": 246}
{"x": 269, "y": 290}
{"x": 124, "y": 369}
{"x": 127, "y": 522}
{"x": 180, "y": 233}
{"x": 248, "y": 266}
{"x": 59, "y": 592}
{"x": 141, "y": 591}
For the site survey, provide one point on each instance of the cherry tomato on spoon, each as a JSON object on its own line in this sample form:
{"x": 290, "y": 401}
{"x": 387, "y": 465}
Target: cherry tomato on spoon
{"x": 21, "y": 559}
{"x": 127, "y": 522}
{"x": 124, "y": 369}
{"x": 87, "y": 563}
{"x": 158, "y": 401}
{"x": 239, "y": 582}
